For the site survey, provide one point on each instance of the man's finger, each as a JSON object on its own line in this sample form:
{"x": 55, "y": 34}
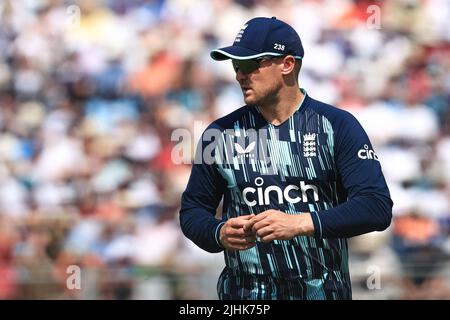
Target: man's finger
{"x": 249, "y": 225}
{"x": 259, "y": 217}
{"x": 236, "y": 223}
{"x": 240, "y": 221}
{"x": 237, "y": 241}
{"x": 259, "y": 225}
{"x": 246, "y": 217}
{"x": 239, "y": 235}
{"x": 263, "y": 232}
{"x": 234, "y": 242}
{"x": 236, "y": 232}
{"x": 268, "y": 238}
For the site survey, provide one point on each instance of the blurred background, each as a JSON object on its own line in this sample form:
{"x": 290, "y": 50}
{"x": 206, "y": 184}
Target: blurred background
{"x": 91, "y": 92}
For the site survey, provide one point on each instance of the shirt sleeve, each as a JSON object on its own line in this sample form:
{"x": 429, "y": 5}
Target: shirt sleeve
{"x": 199, "y": 203}
{"x": 369, "y": 206}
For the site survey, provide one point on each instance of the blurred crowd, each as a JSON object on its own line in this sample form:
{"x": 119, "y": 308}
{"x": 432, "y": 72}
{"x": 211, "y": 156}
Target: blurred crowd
{"x": 92, "y": 91}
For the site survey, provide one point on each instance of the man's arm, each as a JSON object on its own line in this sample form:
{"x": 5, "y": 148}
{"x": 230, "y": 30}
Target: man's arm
{"x": 369, "y": 206}
{"x": 200, "y": 200}
{"x": 199, "y": 203}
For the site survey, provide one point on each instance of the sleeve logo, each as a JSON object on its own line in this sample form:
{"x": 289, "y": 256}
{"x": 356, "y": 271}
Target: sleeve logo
{"x": 367, "y": 154}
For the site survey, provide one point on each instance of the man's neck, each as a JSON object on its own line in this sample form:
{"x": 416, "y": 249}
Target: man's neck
{"x": 282, "y": 107}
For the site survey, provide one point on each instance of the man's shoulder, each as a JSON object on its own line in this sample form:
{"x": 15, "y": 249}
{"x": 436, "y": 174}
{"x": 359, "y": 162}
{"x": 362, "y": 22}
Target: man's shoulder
{"x": 333, "y": 113}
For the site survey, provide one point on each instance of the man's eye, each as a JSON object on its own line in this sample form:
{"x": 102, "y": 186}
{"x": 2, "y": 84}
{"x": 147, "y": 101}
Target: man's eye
{"x": 235, "y": 67}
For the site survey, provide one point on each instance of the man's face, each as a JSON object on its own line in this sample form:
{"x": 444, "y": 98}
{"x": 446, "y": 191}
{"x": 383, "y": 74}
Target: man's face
{"x": 259, "y": 79}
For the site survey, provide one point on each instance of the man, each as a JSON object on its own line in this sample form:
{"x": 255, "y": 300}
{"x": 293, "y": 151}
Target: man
{"x": 297, "y": 177}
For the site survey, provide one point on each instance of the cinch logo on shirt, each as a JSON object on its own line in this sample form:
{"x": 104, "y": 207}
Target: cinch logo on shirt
{"x": 367, "y": 153}
{"x": 261, "y": 196}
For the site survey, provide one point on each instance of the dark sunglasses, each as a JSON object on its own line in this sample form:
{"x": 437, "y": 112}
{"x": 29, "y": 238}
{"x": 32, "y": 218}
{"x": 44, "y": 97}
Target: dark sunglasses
{"x": 250, "y": 65}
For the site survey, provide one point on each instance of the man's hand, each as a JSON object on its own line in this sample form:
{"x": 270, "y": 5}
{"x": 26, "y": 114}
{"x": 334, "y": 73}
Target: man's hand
{"x": 232, "y": 234}
{"x": 276, "y": 225}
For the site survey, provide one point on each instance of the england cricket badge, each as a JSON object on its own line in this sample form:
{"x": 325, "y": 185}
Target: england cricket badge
{"x": 309, "y": 145}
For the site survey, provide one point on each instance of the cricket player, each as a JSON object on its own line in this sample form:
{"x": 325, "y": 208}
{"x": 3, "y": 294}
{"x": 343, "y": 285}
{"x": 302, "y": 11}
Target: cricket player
{"x": 297, "y": 177}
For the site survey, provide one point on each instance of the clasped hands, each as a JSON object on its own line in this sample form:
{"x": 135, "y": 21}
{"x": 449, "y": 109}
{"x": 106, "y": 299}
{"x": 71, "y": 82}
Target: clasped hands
{"x": 240, "y": 233}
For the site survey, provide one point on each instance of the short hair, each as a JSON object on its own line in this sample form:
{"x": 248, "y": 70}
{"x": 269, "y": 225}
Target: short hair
{"x": 297, "y": 67}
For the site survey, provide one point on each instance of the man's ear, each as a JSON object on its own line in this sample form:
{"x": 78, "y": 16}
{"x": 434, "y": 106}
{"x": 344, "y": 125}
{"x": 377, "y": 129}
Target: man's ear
{"x": 288, "y": 65}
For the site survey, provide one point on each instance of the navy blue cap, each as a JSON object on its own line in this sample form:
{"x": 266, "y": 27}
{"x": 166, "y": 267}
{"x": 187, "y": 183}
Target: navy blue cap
{"x": 262, "y": 37}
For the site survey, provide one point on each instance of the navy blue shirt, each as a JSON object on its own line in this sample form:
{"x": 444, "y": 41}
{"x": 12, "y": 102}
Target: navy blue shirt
{"x": 320, "y": 160}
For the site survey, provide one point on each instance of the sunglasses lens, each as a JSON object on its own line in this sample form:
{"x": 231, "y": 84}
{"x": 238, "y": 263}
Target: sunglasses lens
{"x": 245, "y": 66}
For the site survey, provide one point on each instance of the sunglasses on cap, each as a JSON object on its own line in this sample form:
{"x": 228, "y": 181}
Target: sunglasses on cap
{"x": 250, "y": 65}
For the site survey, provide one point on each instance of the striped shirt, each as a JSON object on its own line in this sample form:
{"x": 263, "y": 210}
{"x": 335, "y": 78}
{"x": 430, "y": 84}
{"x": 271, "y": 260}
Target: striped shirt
{"x": 320, "y": 160}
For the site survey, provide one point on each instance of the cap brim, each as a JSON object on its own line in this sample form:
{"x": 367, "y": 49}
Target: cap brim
{"x": 238, "y": 53}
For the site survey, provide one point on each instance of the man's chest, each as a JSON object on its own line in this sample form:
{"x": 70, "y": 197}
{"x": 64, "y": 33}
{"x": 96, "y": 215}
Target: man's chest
{"x": 284, "y": 158}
